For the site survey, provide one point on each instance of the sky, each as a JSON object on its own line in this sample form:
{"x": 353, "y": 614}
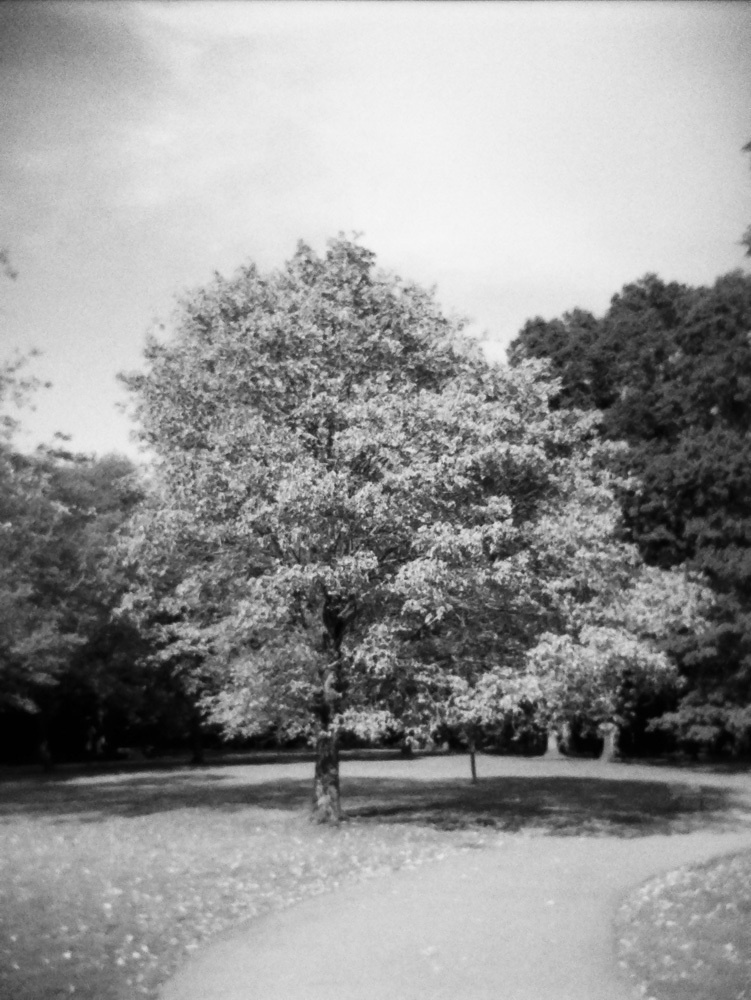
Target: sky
{"x": 524, "y": 158}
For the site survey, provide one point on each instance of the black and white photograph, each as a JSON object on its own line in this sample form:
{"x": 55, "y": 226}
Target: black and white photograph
{"x": 375, "y": 500}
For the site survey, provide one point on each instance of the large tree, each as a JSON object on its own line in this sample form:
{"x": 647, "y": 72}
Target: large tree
{"x": 669, "y": 366}
{"x": 346, "y": 532}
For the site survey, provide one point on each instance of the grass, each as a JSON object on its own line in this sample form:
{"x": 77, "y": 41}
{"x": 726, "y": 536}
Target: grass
{"x": 108, "y": 883}
{"x": 685, "y": 935}
{"x": 552, "y": 804}
{"x": 109, "y": 880}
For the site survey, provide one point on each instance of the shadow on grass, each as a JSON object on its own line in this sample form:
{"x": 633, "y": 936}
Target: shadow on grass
{"x": 585, "y": 806}
{"x": 146, "y": 794}
{"x": 558, "y": 804}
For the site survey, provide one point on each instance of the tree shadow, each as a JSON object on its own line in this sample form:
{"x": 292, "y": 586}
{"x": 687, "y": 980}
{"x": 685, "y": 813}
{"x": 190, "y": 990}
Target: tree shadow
{"x": 146, "y": 794}
{"x": 563, "y": 804}
{"x": 554, "y": 804}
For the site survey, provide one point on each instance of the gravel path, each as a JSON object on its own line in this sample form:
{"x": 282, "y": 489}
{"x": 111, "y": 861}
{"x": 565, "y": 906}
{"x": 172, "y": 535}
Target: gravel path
{"x": 528, "y": 918}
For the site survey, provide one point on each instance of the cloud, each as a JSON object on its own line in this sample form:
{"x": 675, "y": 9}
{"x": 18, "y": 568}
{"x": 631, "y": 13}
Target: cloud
{"x": 527, "y": 157}
{"x": 72, "y": 77}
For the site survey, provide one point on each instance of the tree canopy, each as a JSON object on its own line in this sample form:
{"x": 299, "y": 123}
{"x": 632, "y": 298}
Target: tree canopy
{"x": 669, "y": 366}
{"x": 357, "y": 518}
{"x": 60, "y": 650}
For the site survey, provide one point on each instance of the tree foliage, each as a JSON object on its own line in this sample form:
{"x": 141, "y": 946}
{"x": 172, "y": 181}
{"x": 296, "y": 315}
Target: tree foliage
{"x": 59, "y": 513}
{"x": 355, "y": 523}
{"x": 669, "y": 366}
{"x": 32, "y": 645}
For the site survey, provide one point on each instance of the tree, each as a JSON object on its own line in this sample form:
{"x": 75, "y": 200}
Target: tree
{"x": 79, "y": 574}
{"x": 62, "y": 657}
{"x": 32, "y": 647}
{"x": 344, "y": 531}
{"x": 617, "y": 623}
{"x": 670, "y": 369}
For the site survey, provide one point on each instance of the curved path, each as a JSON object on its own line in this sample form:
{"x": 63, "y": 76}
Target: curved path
{"x": 529, "y": 918}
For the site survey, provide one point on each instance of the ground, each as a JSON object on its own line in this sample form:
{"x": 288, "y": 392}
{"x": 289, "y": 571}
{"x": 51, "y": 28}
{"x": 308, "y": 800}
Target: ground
{"x": 528, "y": 917}
{"x": 108, "y": 882}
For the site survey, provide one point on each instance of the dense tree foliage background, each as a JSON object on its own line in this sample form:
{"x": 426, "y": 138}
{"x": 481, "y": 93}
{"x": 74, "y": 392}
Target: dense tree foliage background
{"x": 669, "y": 367}
{"x": 74, "y": 680}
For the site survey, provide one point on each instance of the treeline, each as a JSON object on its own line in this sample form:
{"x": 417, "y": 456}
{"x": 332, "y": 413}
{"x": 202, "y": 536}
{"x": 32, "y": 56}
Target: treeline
{"x": 75, "y": 677}
{"x": 669, "y": 369}
{"x": 357, "y": 529}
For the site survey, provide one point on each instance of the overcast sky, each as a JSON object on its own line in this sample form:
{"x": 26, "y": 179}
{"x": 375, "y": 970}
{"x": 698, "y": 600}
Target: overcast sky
{"x": 525, "y": 158}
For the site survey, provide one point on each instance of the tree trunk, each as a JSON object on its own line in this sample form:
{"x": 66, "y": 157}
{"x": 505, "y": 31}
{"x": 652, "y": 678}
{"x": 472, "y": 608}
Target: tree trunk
{"x": 473, "y": 764}
{"x": 553, "y": 749}
{"x": 45, "y": 757}
{"x": 43, "y": 745}
{"x": 610, "y": 733}
{"x": 326, "y": 800}
{"x": 196, "y": 739}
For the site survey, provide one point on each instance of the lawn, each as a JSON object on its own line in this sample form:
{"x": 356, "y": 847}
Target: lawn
{"x": 687, "y": 935}
{"x": 108, "y": 881}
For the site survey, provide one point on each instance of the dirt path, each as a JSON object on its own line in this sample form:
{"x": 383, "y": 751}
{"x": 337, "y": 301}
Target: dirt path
{"x": 529, "y": 918}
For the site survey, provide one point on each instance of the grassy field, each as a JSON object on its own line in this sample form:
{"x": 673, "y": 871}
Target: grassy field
{"x": 109, "y": 880}
{"x": 687, "y": 935}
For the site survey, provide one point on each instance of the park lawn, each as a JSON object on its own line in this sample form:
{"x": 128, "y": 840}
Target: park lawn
{"x": 107, "y": 884}
{"x": 108, "y": 881}
{"x": 686, "y": 935}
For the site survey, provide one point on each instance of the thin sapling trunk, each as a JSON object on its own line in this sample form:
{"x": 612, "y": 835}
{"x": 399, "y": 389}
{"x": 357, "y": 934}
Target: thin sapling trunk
{"x": 471, "y": 746}
{"x": 196, "y": 739}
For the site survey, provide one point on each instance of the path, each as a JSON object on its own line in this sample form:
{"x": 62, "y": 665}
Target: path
{"x": 527, "y": 919}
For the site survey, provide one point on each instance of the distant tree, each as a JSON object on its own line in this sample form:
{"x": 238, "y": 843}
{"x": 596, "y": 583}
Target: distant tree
{"x": 670, "y": 369}
{"x": 60, "y": 651}
{"x": 32, "y": 647}
{"x": 616, "y": 624}
{"x": 63, "y": 657}
{"x": 81, "y": 575}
